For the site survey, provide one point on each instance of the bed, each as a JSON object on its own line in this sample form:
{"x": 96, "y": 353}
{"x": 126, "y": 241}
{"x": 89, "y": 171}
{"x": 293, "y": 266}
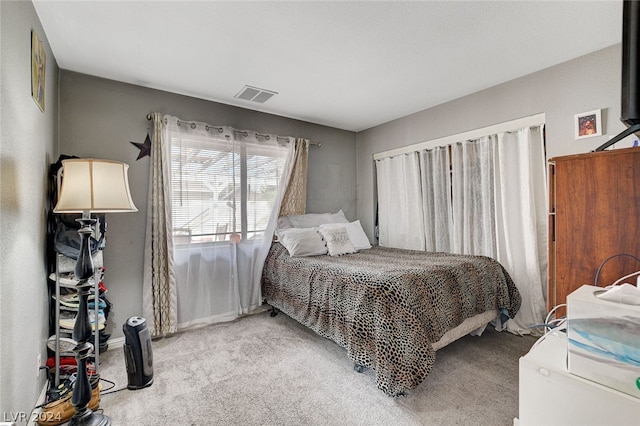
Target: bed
{"x": 391, "y": 309}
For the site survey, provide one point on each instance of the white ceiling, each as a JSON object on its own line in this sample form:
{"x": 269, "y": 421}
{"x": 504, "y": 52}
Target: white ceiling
{"x": 347, "y": 64}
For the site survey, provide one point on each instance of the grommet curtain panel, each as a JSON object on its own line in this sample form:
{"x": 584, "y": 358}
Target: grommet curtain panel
{"x": 400, "y": 207}
{"x": 521, "y": 220}
{"x": 435, "y": 166}
{"x": 223, "y": 188}
{"x": 473, "y": 196}
{"x": 295, "y": 197}
{"x": 484, "y": 196}
{"x": 159, "y": 293}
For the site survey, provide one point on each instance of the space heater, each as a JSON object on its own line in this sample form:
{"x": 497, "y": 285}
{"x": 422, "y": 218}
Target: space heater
{"x": 138, "y": 355}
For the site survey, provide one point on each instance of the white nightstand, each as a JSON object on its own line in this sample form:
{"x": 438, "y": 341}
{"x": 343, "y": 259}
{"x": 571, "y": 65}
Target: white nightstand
{"x": 550, "y": 395}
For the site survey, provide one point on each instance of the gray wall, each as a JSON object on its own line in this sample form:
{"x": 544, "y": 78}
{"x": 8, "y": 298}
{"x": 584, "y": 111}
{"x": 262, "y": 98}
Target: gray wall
{"x": 27, "y": 147}
{"x": 584, "y": 84}
{"x": 98, "y": 118}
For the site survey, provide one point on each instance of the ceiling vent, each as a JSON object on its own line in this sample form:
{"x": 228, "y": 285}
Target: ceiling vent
{"x": 254, "y": 94}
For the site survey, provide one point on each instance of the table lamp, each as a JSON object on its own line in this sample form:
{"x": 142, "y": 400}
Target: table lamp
{"x": 99, "y": 186}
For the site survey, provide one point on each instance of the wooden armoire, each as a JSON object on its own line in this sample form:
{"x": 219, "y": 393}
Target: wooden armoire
{"x": 594, "y": 214}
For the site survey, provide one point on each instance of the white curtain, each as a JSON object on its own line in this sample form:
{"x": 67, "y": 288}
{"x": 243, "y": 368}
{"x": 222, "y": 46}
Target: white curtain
{"x": 521, "y": 218}
{"x": 435, "y": 165}
{"x": 227, "y": 190}
{"x": 499, "y": 205}
{"x": 494, "y": 205}
{"x": 400, "y": 215}
{"x": 473, "y": 197}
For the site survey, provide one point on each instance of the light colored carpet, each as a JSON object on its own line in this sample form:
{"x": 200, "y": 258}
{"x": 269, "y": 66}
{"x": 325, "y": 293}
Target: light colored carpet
{"x": 260, "y": 370}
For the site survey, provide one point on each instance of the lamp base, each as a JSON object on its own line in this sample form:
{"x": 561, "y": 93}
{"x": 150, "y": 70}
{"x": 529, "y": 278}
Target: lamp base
{"x": 90, "y": 419}
{"x": 82, "y": 333}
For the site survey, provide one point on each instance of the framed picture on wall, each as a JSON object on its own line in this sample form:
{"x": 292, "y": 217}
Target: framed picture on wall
{"x": 38, "y": 63}
{"x": 588, "y": 124}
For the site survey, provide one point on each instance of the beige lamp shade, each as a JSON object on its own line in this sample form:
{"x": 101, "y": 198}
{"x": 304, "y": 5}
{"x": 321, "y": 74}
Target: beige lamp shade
{"x": 100, "y": 186}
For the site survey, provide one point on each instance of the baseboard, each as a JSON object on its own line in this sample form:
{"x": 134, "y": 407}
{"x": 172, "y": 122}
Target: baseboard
{"x": 41, "y": 398}
{"x": 33, "y": 415}
{"x": 118, "y": 342}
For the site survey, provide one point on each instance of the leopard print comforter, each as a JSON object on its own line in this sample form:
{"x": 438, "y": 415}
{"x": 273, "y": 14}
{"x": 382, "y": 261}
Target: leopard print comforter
{"x": 386, "y": 306}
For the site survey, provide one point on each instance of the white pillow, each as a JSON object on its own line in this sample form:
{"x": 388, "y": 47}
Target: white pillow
{"x": 302, "y": 242}
{"x": 338, "y": 242}
{"x": 284, "y": 223}
{"x": 312, "y": 220}
{"x": 357, "y": 236}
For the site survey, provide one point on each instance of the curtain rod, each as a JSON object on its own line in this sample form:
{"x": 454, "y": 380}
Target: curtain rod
{"x": 242, "y": 132}
{"x": 532, "y": 120}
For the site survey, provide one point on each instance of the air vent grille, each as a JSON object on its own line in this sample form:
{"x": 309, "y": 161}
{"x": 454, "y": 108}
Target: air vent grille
{"x": 255, "y": 94}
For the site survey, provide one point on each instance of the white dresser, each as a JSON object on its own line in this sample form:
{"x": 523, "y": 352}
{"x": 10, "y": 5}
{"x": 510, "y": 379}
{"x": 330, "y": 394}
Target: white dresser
{"x": 550, "y": 395}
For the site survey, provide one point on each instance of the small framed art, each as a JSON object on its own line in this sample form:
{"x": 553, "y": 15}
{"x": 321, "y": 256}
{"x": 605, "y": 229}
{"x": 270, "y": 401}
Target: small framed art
{"x": 588, "y": 124}
{"x": 38, "y": 63}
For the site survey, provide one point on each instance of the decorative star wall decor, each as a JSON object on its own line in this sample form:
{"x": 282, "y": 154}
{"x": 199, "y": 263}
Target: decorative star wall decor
{"x": 145, "y": 148}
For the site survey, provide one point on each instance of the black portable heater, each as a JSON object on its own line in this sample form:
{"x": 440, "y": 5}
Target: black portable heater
{"x": 137, "y": 353}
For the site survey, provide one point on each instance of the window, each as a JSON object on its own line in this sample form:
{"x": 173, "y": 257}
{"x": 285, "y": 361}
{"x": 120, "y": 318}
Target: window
{"x": 223, "y": 188}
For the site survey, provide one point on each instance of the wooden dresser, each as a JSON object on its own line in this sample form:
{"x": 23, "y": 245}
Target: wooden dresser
{"x": 594, "y": 213}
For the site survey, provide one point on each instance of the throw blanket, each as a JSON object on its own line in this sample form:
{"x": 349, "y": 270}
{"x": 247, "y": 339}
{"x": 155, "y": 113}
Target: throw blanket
{"x": 387, "y": 306}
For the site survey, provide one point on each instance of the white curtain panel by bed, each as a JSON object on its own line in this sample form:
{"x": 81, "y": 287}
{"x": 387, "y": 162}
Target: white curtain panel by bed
{"x": 473, "y": 197}
{"x": 294, "y": 171}
{"x": 400, "y": 212}
{"x": 436, "y": 195}
{"x": 521, "y": 218}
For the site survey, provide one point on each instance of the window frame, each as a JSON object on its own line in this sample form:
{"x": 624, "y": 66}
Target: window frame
{"x": 242, "y": 152}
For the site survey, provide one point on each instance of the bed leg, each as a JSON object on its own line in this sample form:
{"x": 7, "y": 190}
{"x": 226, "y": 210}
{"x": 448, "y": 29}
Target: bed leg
{"x": 274, "y": 312}
{"x": 359, "y": 368}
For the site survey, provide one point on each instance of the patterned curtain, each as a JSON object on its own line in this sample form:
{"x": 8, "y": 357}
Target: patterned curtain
{"x": 295, "y": 198}
{"x": 159, "y": 296}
